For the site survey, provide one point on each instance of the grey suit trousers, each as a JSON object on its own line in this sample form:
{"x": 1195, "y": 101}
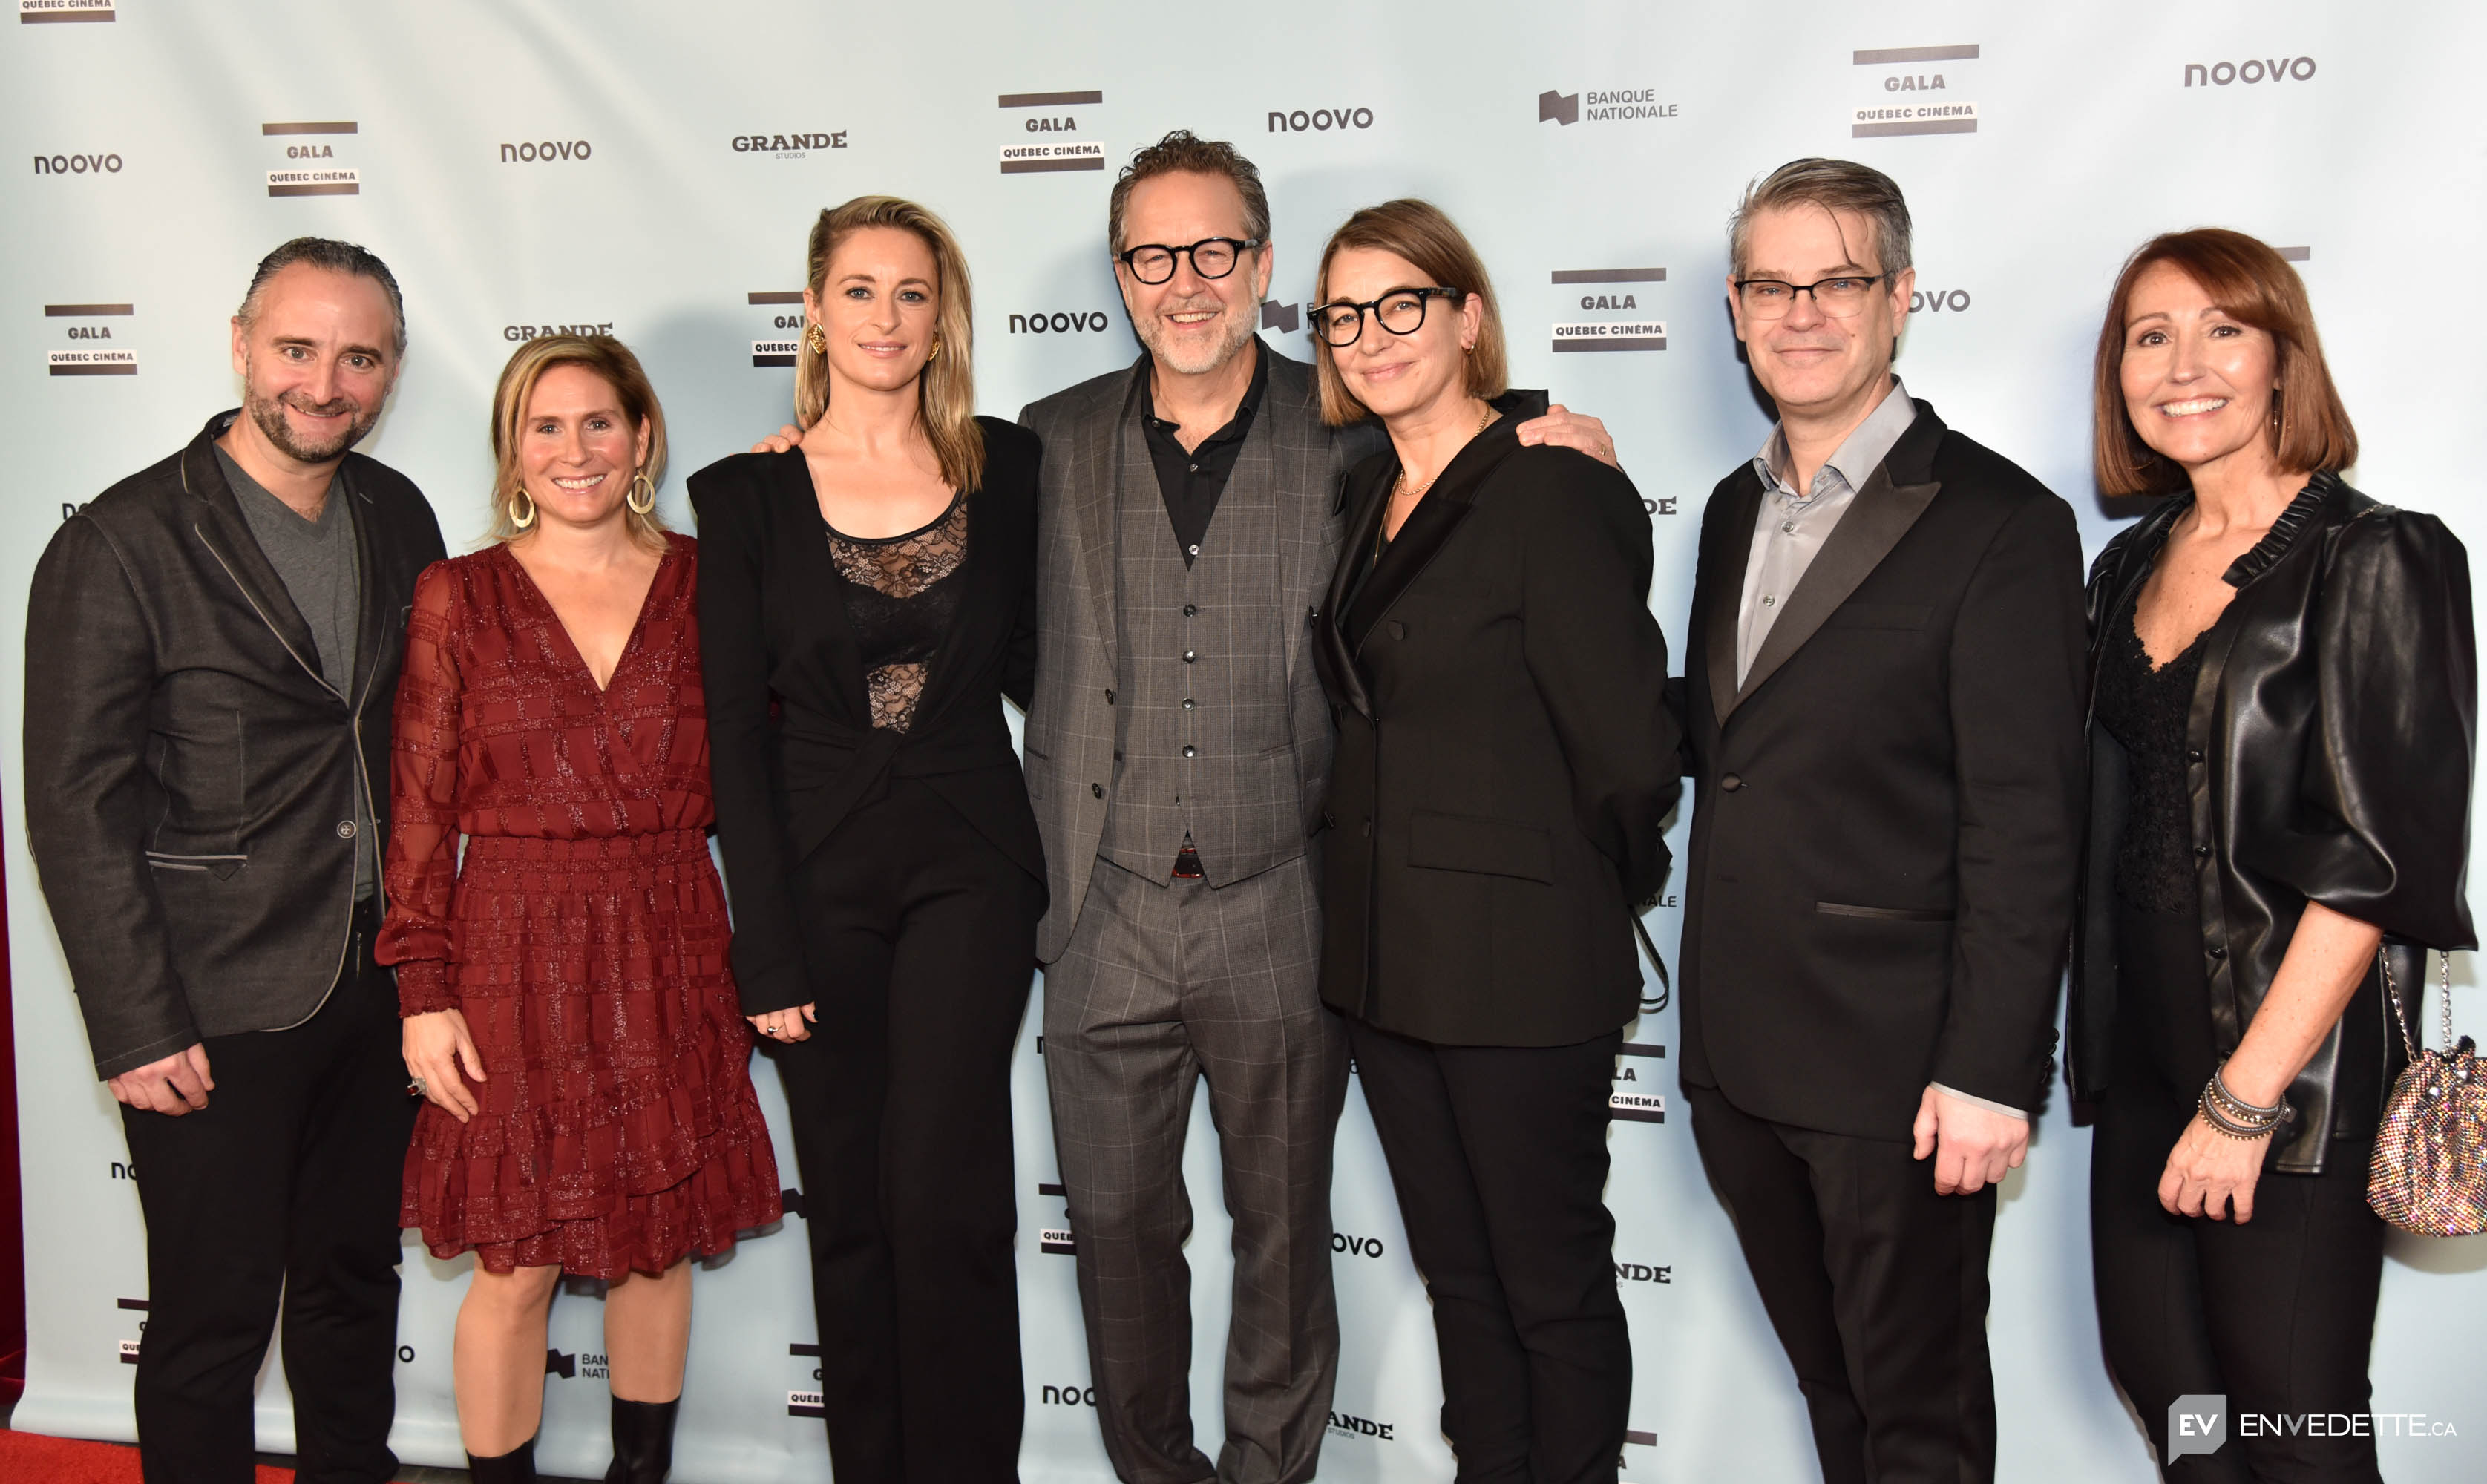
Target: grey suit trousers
{"x": 1165, "y": 982}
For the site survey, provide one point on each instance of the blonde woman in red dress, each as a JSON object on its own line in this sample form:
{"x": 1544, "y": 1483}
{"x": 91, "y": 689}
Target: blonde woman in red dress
{"x": 569, "y": 1016}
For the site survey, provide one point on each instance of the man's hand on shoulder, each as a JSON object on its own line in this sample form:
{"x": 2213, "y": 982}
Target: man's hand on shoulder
{"x": 784, "y": 438}
{"x": 1973, "y": 1146}
{"x": 173, "y": 1084}
{"x": 1563, "y": 427}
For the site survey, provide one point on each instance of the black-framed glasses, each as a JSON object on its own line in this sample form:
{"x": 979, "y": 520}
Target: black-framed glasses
{"x": 1841, "y": 296}
{"x": 1401, "y": 312}
{"x": 1212, "y": 257}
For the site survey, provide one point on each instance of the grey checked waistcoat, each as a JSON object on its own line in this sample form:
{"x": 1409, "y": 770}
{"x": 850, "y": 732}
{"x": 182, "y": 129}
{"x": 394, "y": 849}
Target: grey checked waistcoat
{"x": 1203, "y": 741}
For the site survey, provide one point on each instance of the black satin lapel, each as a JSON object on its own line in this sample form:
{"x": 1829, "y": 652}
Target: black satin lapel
{"x": 836, "y": 661}
{"x": 1725, "y": 597}
{"x": 1421, "y": 537}
{"x": 228, "y": 534}
{"x": 1881, "y": 514}
{"x": 378, "y": 619}
{"x": 1336, "y": 656}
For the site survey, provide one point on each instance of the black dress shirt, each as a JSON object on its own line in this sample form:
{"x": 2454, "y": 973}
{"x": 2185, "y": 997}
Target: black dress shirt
{"x": 1191, "y": 481}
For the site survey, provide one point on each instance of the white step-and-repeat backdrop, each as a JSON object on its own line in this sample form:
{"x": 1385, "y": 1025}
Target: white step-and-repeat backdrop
{"x": 650, "y": 169}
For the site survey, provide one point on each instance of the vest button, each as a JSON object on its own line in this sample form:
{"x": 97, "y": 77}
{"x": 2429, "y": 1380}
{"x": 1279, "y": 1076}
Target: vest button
{"x": 1110, "y": 698}
{"x": 1187, "y": 703}
{"x": 1190, "y": 610}
{"x": 344, "y": 829}
{"x": 1097, "y": 789}
{"x": 1186, "y": 749}
{"x": 1190, "y": 655}
{"x": 1729, "y": 783}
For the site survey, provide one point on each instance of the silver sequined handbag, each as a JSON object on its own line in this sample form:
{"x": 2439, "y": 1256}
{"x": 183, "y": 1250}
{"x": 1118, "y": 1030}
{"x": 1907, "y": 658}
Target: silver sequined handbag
{"x": 2430, "y": 1170}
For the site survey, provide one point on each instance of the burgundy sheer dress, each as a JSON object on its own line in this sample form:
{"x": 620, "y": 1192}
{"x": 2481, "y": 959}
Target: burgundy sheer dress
{"x": 583, "y": 935}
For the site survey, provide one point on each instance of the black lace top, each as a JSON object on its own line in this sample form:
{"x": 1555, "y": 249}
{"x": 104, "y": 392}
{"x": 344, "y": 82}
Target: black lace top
{"x": 2146, "y": 709}
{"x": 900, "y": 599}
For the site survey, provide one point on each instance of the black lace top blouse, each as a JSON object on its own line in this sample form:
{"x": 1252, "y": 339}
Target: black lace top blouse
{"x": 2145, "y": 708}
{"x": 900, "y": 599}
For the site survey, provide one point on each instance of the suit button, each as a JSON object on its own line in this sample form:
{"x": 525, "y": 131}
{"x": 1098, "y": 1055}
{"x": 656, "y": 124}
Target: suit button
{"x": 1190, "y": 655}
{"x": 2202, "y": 853}
{"x": 2219, "y": 953}
{"x": 1190, "y": 610}
{"x": 1187, "y": 703}
{"x": 1398, "y": 630}
{"x": 344, "y": 829}
{"x": 1186, "y": 749}
{"x": 1098, "y": 789}
{"x": 1330, "y": 821}
{"x": 1368, "y": 826}
{"x": 1110, "y": 698}
{"x": 1729, "y": 783}
{"x": 2193, "y": 754}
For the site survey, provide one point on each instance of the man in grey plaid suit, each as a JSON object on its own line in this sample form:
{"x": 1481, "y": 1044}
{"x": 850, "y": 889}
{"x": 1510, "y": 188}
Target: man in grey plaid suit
{"x": 1178, "y": 752}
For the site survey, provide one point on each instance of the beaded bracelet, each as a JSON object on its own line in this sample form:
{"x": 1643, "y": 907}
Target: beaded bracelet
{"x": 2229, "y": 1114}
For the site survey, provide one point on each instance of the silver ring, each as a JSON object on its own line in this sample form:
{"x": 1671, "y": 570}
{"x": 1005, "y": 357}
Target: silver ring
{"x": 417, "y": 1088}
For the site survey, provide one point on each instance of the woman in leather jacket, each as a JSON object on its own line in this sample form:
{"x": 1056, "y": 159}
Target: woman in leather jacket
{"x": 2282, "y": 689}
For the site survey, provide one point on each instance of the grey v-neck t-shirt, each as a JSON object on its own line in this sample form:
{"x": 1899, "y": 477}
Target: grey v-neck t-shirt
{"x": 318, "y": 563}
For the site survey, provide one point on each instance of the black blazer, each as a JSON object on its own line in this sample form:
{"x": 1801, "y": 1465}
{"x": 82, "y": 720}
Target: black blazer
{"x": 191, "y": 775}
{"x": 2334, "y": 731}
{"x": 1887, "y": 814}
{"x": 793, "y": 746}
{"x": 1505, "y": 760}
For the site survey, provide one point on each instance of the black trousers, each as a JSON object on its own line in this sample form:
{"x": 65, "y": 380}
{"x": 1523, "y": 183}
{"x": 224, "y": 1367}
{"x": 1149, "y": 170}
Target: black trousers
{"x": 1876, "y": 1285}
{"x": 2276, "y": 1314}
{"x": 1499, "y": 1155}
{"x": 286, "y": 1182}
{"x": 921, "y": 940}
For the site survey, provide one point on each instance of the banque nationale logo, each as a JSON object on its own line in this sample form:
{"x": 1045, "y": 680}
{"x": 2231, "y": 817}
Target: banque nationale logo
{"x": 93, "y": 349}
{"x": 1905, "y": 106}
{"x": 1610, "y": 105}
{"x": 31, "y": 12}
{"x": 1034, "y": 152}
{"x": 310, "y": 156}
{"x": 1636, "y": 1098}
{"x": 781, "y": 349}
{"x": 1610, "y": 290}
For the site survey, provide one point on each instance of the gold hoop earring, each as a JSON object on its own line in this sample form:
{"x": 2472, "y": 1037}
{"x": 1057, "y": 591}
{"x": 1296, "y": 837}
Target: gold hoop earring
{"x": 520, "y": 521}
{"x": 814, "y": 339}
{"x": 640, "y": 482}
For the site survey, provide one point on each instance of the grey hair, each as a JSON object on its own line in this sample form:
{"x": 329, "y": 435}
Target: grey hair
{"x": 1181, "y": 151}
{"x": 1834, "y": 184}
{"x": 336, "y": 257}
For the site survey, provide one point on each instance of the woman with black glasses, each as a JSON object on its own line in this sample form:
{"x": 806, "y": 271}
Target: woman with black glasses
{"x": 1505, "y": 765}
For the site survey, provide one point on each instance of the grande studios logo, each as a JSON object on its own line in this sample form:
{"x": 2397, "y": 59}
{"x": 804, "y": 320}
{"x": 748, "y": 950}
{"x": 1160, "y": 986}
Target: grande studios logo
{"x": 312, "y": 167}
{"x": 89, "y": 345}
{"x": 1039, "y": 147}
{"x": 1609, "y": 290}
{"x": 1916, "y": 93}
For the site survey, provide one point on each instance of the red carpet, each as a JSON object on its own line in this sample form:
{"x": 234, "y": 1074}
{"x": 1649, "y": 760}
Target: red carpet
{"x": 30, "y": 1458}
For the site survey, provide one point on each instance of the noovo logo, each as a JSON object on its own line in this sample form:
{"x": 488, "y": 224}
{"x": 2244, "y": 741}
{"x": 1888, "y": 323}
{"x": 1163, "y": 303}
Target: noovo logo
{"x": 1934, "y": 301}
{"x": 1320, "y": 120}
{"x": 77, "y": 164}
{"x": 1058, "y": 324}
{"x": 2253, "y": 69}
{"x": 548, "y": 152}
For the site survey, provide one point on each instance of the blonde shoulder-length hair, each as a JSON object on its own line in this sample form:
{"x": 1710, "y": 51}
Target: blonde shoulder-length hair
{"x": 607, "y": 358}
{"x": 946, "y": 389}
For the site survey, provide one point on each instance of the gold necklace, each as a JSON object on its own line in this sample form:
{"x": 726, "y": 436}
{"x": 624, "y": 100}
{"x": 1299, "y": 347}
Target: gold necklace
{"x": 1399, "y": 485}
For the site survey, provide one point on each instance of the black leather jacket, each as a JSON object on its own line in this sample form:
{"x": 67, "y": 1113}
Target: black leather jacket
{"x": 2333, "y": 740}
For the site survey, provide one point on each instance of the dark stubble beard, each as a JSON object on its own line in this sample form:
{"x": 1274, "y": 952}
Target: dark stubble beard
{"x": 269, "y": 413}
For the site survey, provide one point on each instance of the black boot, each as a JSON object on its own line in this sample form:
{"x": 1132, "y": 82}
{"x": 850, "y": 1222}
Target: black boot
{"x": 515, "y": 1467}
{"x": 643, "y": 1442}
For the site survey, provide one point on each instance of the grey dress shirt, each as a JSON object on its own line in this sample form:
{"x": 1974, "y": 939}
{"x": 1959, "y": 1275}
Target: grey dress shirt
{"x": 1789, "y": 531}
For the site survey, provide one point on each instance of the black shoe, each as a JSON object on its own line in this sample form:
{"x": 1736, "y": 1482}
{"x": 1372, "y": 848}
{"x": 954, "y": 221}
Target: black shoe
{"x": 643, "y": 1442}
{"x": 515, "y": 1467}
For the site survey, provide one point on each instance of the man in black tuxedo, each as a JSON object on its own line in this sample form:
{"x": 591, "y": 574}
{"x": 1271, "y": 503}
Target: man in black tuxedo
{"x": 1883, "y": 719}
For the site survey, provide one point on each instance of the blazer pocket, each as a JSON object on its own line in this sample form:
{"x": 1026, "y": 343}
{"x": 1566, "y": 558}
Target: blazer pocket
{"x": 1882, "y": 913}
{"x": 1879, "y": 615}
{"x": 222, "y": 867}
{"x": 1488, "y": 847}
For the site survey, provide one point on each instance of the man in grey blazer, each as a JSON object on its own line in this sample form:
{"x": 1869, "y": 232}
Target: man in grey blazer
{"x": 1178, "y": 752}
{"x": 212, "y": 654}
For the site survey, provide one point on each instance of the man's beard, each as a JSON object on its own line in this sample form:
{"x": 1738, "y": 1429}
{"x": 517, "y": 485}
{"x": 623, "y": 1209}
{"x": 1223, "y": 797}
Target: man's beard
{"x": 269, "y": 414}
{"x": 1190, "y": 361}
